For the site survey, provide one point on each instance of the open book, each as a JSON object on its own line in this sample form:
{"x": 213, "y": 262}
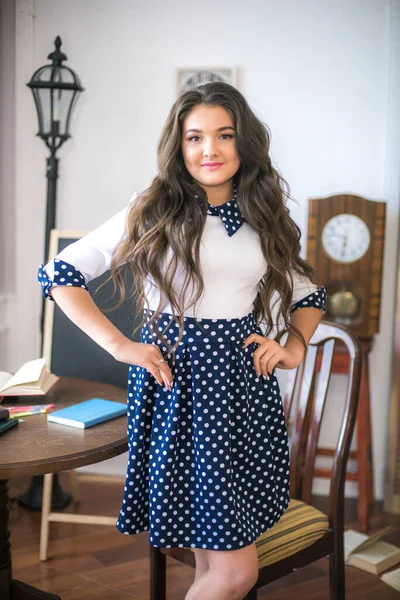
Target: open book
{"x": 368, "y": 552}
{"x": 32, "y": 379}
{"x": 392, "y": 578}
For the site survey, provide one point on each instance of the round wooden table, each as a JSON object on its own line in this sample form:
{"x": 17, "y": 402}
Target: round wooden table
{"x": 37, "y": 447}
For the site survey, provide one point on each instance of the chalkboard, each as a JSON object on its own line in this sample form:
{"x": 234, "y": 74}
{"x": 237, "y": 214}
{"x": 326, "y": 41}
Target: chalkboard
{"x": 68, "y": 350}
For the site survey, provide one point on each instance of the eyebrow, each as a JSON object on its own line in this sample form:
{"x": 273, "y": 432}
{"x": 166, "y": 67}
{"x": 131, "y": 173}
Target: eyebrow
{"x": 219, "y": 129}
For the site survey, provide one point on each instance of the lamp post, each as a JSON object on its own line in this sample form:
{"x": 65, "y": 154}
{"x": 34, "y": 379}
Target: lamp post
{"x": 55, "y": 89}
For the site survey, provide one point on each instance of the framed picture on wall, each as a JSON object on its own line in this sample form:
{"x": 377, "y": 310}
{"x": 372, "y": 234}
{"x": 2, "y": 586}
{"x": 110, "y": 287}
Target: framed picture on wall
{"x": 188, "y": 78}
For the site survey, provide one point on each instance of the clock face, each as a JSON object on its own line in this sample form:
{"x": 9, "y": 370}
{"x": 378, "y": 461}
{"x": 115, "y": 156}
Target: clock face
{"x": 345, "y": 238}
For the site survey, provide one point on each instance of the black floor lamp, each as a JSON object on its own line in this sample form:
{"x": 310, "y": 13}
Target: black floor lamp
{"x": 55, "y": 88}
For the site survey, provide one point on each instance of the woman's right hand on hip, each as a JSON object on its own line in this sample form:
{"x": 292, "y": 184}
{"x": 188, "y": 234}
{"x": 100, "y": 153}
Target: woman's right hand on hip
{"x": 147, "y": 356}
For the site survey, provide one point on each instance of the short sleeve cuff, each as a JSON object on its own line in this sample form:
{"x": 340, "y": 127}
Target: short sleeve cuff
{"x": 315, "y": 300}
{"x": 64, "y": 274}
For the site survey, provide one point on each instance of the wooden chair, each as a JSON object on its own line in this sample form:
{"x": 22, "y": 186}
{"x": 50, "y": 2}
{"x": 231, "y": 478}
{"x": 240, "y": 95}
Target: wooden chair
{"x": 303, "y": 534}
{"x": 49, "y": 516}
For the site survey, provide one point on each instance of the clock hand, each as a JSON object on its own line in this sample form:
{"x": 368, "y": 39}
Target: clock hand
{"x": 344, "y": 245}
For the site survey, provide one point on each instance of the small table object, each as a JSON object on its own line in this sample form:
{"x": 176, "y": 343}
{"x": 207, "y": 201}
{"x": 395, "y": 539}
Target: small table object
{"x": 37, "y": 447}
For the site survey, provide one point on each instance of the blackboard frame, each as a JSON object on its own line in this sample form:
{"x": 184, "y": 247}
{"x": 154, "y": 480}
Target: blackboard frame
{"x": 68, "y": 350}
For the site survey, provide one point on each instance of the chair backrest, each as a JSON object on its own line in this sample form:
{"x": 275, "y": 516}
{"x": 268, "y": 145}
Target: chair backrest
{"x": 304, "y": 404}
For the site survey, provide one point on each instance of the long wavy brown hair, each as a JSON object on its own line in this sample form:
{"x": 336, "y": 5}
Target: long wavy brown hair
{"x": 167, "y": 220}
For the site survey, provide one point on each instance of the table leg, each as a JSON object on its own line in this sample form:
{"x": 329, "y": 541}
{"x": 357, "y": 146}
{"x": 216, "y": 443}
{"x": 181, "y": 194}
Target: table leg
{"x": 5, "y": 555}
{"x": 23, "y": 591}
{"x": 11, "y": 589}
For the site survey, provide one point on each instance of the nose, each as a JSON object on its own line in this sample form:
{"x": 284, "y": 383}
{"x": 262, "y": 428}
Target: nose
{"x": 209, "y": 148}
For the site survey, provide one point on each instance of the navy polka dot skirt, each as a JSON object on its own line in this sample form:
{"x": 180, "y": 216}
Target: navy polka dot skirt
{"x": 208, "y": 460}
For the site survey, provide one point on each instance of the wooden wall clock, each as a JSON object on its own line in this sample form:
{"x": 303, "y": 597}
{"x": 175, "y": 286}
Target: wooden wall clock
{"x": 345, "y": 245}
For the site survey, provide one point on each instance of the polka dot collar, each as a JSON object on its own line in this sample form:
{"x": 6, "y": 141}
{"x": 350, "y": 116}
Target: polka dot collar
{"x": 229, "y": 214}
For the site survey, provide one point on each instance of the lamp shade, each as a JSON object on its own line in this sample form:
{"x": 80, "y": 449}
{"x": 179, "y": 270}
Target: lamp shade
{"x": 55, "y": 88}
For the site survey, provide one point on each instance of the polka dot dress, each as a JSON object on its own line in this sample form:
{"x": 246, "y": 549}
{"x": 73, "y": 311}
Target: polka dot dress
{"x": 208, "y": 463}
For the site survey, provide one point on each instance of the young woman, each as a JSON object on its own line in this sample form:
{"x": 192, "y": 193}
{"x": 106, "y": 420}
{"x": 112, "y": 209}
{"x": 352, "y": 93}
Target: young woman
{"x": 214, "y": 253}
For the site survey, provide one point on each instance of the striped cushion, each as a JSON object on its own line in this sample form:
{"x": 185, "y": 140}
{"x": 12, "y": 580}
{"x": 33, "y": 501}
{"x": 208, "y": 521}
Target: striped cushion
{"x": 300, "y": 526}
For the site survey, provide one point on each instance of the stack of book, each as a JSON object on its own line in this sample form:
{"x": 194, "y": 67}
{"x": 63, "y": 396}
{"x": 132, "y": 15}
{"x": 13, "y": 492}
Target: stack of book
{"x": 6, "y": 422}
{"x": 32, "y": 379}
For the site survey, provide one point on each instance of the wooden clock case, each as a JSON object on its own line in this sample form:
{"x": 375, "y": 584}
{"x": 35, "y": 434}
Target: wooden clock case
{"x": 362, "y": 277}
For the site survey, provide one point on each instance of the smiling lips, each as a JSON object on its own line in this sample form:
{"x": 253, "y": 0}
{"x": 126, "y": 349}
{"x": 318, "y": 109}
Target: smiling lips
{"x": 212, "y": 165}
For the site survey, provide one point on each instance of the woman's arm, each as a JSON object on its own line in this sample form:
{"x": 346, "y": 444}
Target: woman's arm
{"x": 306, "y": 321}
{"x": 90, "y": 256}
{"x": 64, "y": 279}
{"x": 79, "y": 307}
{"x": 271, "y": 354}
{"x": 308, "y": 306}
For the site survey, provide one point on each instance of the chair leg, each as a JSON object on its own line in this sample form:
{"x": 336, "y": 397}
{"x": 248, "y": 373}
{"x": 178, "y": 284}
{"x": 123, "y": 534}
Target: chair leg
{"x": 364, "y": 464}
{"x": 336, "y": 578}
{"x": 158, "y": 566}
{"x": 46, "y": 508}
{"x": 252, "y": 594}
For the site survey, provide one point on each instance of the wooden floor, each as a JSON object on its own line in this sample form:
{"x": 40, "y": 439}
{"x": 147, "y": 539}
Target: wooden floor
{"x": 99, "y": 563}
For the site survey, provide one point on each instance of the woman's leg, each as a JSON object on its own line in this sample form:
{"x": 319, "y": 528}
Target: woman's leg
{"x": 201, "y": 562}
{"x": 230, "y": 576}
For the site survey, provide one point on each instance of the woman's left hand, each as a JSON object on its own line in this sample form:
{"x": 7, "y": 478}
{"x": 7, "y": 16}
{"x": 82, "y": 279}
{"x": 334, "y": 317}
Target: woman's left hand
{"x": 270, "y": 354}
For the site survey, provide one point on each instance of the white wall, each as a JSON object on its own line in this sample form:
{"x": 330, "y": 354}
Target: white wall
{"x": 322, "y": 73}
{"x": 7, "y": 175}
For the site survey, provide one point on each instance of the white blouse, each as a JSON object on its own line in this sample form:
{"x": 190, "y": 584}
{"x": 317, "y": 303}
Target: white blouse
{"x": 232, "y": 267}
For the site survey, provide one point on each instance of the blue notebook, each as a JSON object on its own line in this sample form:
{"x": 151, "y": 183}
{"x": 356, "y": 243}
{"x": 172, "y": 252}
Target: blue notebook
{"x": 88, "y": 413}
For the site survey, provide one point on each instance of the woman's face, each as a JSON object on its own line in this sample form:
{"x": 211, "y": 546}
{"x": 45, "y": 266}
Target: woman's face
{"x": 208, "y": 146}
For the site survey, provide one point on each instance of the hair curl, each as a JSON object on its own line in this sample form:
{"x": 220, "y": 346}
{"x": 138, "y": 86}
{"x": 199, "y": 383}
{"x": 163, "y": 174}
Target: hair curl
{"x": 164, "y": 225}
